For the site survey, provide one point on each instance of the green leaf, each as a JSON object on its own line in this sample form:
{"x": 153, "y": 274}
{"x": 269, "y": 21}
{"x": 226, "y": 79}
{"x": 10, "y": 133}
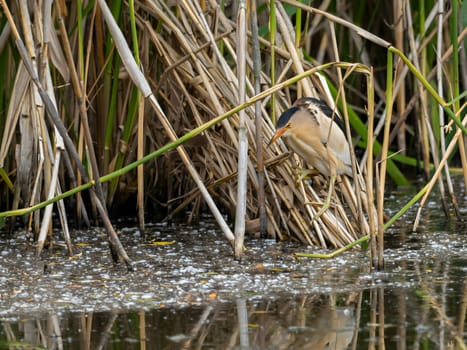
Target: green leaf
{"x": 464, "y": 22}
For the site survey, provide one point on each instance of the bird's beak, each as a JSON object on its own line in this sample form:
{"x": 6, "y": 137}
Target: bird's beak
{"x": 278, "y": 134}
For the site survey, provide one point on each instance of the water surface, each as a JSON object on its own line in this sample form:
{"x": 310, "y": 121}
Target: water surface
{"x": 188, "y": 292}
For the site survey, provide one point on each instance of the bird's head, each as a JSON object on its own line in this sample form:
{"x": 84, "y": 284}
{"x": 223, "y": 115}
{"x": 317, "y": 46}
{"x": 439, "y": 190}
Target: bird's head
{"x": 284, "y": 124}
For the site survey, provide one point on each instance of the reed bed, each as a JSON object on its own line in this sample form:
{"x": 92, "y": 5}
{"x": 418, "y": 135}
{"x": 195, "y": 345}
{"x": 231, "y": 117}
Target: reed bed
{"x": 168, "y": 107}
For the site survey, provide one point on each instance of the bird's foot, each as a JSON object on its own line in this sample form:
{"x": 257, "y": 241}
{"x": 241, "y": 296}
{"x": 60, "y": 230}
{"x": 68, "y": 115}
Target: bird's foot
{"x": 324, "y": 206}
{"x": 304, "y": 174}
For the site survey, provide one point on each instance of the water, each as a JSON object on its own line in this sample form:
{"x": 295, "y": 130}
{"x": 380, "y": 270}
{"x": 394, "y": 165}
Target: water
{"x": 188, "y": 292}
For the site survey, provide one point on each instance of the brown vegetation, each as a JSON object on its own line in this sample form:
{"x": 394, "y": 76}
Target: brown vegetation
{"x": 96, "y": 106}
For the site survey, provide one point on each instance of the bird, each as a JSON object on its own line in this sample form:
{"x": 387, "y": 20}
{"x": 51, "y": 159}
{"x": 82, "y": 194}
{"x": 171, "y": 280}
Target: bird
{"x": 315, "y": 132}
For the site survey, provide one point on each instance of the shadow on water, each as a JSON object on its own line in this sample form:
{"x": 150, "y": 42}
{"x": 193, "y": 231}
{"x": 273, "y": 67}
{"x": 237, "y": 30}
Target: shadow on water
{"x": 188, "y": 292}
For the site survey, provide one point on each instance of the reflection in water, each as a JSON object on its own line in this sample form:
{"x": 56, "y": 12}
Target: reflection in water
{"x": 357, "y": 320}
{"x": 311, "y": 322}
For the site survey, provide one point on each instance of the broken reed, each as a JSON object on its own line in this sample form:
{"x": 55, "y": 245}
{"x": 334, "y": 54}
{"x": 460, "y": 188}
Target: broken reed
{"x": 177, "y": 56}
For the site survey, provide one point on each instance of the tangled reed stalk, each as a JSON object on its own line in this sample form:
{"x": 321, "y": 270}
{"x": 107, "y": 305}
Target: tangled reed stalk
{"x": 79, "y": 103}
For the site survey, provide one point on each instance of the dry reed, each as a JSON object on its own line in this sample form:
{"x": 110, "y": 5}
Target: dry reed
{"x": 123, "y": 104}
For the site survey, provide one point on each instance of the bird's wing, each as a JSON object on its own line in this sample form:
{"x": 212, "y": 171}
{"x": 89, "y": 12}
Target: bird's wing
{"x": 335, "y": 140}
{"x": 310, "y": 113}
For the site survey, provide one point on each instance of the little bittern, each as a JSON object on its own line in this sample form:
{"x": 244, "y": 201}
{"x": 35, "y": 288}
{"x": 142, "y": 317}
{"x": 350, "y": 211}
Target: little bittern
{"x": 313, "y": 131}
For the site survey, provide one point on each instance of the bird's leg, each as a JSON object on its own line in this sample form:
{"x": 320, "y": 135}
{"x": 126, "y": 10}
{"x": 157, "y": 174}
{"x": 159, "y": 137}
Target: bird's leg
{"x": 327, "y": 203}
